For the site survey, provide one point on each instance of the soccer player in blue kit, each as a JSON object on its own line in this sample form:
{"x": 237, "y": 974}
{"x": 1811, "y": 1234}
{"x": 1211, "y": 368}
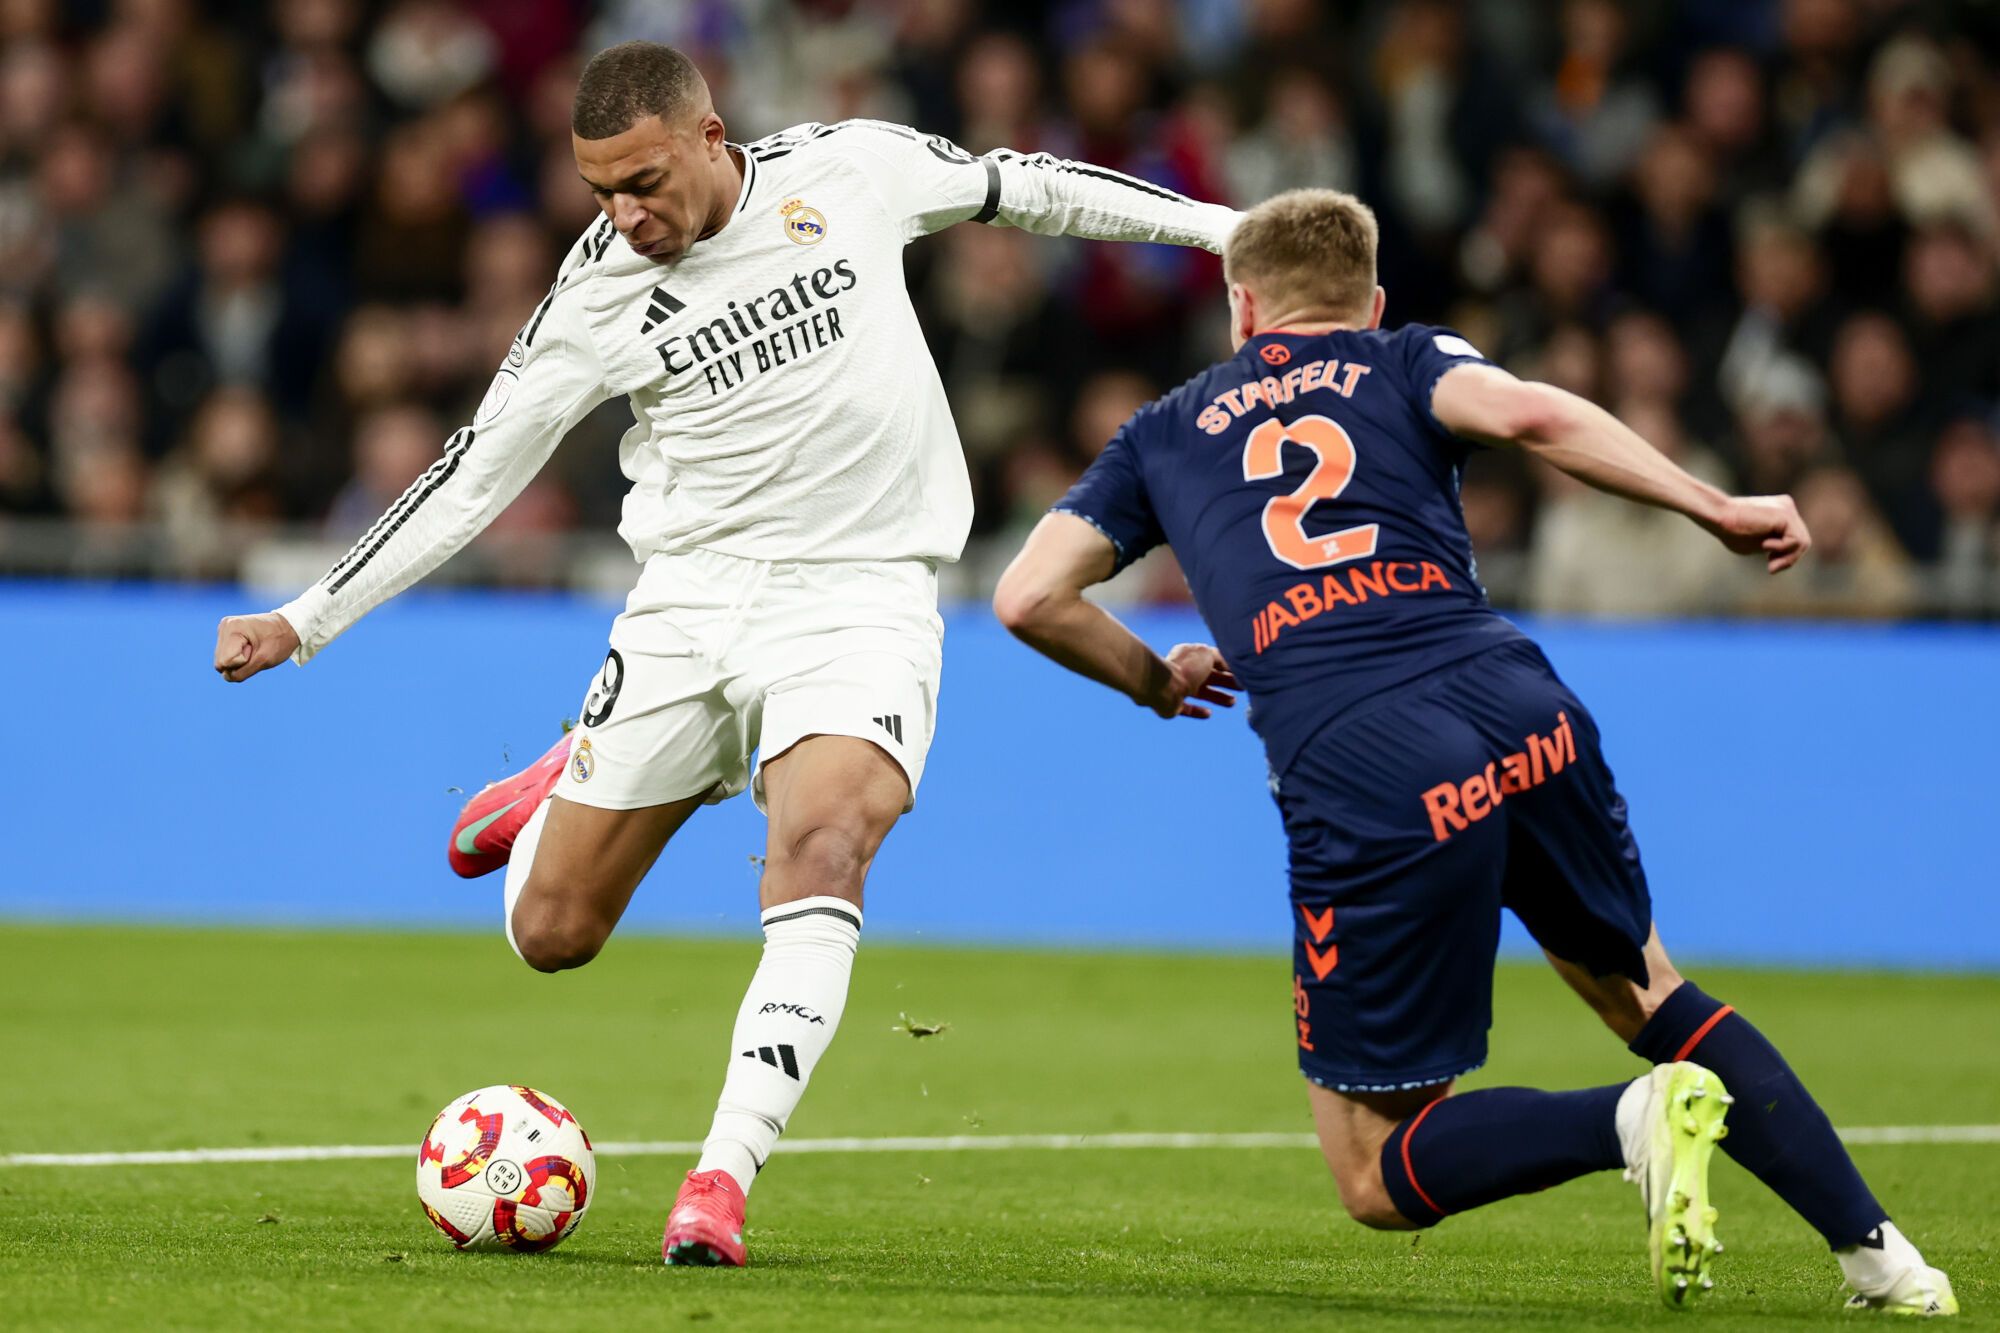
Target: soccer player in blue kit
{"x": 1429, "y": 765}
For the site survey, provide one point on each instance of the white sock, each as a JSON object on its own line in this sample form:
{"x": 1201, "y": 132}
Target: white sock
{"x": 786, "y": 1023}
{"x": 518, "y": 861}
{"x": 1873, "y": 1270}
{"x": 1635, "y": 1131}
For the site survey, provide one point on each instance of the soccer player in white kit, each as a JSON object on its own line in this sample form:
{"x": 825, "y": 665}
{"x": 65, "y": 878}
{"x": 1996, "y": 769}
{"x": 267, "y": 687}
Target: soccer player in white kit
{"x": 796, "y": 480}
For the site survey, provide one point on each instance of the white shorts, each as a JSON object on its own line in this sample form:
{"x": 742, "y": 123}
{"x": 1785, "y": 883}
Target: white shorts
{"x": 716, "y": 659}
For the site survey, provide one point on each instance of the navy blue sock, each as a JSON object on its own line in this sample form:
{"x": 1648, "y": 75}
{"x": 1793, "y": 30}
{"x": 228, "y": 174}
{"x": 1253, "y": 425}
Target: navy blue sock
{"x": 1776, "y": 1130}
{"x": 1467, "y": 1151}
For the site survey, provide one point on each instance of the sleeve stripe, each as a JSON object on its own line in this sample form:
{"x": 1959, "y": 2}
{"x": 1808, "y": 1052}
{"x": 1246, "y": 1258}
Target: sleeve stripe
{"x": 849, "y": 917}
{"x": 528, "y": 338}
{"x": 778, "y": 145}
{"x": 402, "y": 511}
{"x": 1128, "y": 182}
{"x": 390, "y": 515}
{"x": 991, "y": 208}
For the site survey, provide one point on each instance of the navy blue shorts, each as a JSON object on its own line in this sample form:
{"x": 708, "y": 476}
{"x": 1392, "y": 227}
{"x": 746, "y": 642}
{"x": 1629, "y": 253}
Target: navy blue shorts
{"x": 1413, "y": 820}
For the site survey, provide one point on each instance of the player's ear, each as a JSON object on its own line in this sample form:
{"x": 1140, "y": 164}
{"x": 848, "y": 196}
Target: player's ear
{"x": 713, "y": 134}
{"x": 1242, "y": 315}
{"x": 1375, "y": 315}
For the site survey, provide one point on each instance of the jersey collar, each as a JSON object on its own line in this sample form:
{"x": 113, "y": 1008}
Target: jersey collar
{"x": 749, "y": 179}
{"x": 1261, "y": 344}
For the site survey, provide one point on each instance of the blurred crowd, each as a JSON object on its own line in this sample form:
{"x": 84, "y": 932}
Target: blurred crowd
{"x": 257, "y": 260}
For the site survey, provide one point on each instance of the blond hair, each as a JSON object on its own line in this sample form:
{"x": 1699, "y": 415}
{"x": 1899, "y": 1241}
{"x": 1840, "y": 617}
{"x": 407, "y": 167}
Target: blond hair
{"x": 1307, "y": 247}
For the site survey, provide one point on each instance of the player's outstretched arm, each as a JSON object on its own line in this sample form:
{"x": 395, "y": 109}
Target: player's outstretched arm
{"x": 931, "y": 183}
{"x": 1040, "y": 600}
{"x": 552, "y": 377}
{"x": 1056, "y": 197}
{"x": 1485, "y": 403}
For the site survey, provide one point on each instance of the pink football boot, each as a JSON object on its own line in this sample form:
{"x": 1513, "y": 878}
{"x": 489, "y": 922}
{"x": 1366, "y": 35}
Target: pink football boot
{"x": 484, "y": 836}
{"x": 706, "y": 1226}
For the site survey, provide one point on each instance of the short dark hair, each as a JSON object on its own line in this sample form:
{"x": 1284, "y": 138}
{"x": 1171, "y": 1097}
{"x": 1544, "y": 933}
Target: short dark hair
{"x": 626, "y": 83}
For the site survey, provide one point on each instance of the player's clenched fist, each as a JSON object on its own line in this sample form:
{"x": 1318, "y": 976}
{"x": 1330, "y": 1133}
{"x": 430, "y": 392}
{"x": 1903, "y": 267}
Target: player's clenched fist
{"x": 1766, "y": 524}
{"x": 245, "y": 645}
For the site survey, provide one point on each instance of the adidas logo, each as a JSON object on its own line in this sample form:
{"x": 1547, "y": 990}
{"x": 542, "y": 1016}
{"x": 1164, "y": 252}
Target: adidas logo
{"x": 782, "y": 1057}
{"x": 659, "y": 307}
{"x": 893, "y": 724}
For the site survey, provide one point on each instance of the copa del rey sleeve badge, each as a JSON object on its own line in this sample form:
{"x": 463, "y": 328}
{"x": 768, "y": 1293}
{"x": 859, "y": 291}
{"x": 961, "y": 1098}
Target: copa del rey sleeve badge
{"x": 803, "y": 223}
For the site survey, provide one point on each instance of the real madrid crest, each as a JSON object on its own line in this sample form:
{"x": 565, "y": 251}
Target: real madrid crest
{"x": 582, "y": 763}
{"x": 803, "y": 224}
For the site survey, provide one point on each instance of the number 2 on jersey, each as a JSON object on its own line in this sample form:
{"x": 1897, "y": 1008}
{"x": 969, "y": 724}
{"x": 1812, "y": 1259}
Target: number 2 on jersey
{"x": 1284, "y": 515}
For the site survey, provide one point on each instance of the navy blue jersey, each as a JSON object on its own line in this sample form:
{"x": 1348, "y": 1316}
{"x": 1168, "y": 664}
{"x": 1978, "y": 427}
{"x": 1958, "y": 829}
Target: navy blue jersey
{"x": 1312, "y": 499}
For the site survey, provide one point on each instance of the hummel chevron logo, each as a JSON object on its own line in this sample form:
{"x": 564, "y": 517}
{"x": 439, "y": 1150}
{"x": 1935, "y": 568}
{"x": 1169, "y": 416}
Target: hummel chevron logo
{"x": 1320, "y": 926}
{"x": 893, "y": 724}
{"x": 659, "y": 308}
{"x": 783, "y": 1057}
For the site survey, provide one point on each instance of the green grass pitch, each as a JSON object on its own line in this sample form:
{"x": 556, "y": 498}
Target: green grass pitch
{"x": 126, "y": 1039}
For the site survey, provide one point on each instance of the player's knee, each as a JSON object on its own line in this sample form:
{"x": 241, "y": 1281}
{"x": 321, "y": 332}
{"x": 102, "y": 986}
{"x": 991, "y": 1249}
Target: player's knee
{"x": 1615, "y": 1001}
{"x": 1357, "y": 1175}
{"x": 1367, "y": 1200}
{"x": 1625, "y": 1006}
{"x": 826, "y": 859}
{"x": 550, "y": 939}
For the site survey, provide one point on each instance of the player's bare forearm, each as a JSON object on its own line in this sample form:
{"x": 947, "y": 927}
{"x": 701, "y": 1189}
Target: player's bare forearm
{"x": 1576, "y": 436}
{"x": 1040, "y": 600}
{"x": 1082, "y": 636}
{"x": 1587, "y": 442}
{"x": 1572, "y": 434}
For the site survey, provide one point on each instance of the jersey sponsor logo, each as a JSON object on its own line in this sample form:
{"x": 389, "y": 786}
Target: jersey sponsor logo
{"x": 1453, "y": 345}
{"x": 803, "y": 224}
{"x": 763, "y": 332}
{"x": 893, "y": 724}
{"x": 1349, "y": 587}
{"x": 1454, "y": 807}
{"x": 1276, "y": 390}
{"x": 582, "y": 761}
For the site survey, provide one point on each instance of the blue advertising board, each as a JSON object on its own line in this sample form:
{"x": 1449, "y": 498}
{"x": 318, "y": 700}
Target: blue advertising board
{"x": 1803, "y": 794}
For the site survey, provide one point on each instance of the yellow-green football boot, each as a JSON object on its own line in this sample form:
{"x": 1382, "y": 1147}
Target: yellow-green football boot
{"x": 1669, "y": 1123}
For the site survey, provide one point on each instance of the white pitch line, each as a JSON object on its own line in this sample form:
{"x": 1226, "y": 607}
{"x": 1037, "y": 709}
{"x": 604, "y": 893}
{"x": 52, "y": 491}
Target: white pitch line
{"x": 1880, "y": 1134}
{"x": 1868, "y": 1135}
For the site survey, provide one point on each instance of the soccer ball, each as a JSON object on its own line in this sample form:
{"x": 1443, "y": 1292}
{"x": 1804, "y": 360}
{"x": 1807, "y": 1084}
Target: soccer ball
{"x": 505, "y": 1168}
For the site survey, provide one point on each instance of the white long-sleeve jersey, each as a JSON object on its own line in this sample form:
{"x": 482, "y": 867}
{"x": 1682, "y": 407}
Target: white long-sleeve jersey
{"x": 786, "y": 405}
